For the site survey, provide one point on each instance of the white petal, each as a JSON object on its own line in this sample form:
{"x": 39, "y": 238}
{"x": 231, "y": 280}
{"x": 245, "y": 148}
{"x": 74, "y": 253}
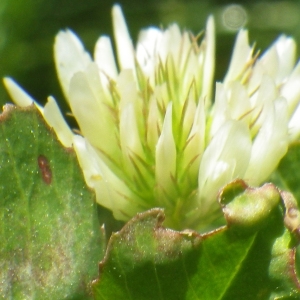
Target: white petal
{"x": 129, "y": 135}
{"x": 129, "y": 95}
{"x": 270, "y": 144}
{"x": 209, "y": 60}
{"x": 256, "y": 77}
{"x": 127, "y": 88}
{"x": 88, "y": 160}
{"x": 242, "y": 55}
{"x": 225, "y": 159}
{"x": 170, "y": 43}
{"x": 91, "y": 112}
{"x": 18, "y": 95}
{"x": 70, "y": 58}
{"x": 190, "y": 69}
{"x": 239, "y": 103}
{"x": 187, "y": 116}
{"x": 262, "y": 102}
{"x": 232, "y": 102}
{"x": 147, "y": 51}
{"x": 277, "y": 62}
{"x": 111, "y": 192}
{"x": 286, "y": 49}
{"x": 153, "y": 124}
{"x": 148, "y": 41}
{"x": 165, "y": 163}
{"x": 220, "y": 113}
{"x": 290, "y": 89}
{"x": 124, "y": 45}
{"x": 195, "y": 143}
{"x": 270, "y": 62}
{"x": 294, "y": 125}
{"x": 55, "y": 120}
{"x": 104, "y": 57}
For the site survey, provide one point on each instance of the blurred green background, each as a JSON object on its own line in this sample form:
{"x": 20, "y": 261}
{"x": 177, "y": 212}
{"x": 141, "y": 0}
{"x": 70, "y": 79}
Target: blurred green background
{"x": 28, "y": 28}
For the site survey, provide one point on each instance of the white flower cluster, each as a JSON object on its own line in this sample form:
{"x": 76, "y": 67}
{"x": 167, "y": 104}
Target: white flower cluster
{"x": 151, "y": 133}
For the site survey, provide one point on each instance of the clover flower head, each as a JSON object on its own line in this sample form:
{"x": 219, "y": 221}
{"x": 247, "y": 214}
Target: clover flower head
{"x": 156, "y": 131}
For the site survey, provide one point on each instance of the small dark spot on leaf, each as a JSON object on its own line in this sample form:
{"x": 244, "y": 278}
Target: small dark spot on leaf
{"x": 44, "y": 166}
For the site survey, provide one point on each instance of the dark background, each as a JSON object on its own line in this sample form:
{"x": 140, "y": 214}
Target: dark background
{"x": 28, "y": 28}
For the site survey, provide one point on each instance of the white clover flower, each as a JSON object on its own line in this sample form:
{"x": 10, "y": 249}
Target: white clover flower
{"x": 151, "y": 133}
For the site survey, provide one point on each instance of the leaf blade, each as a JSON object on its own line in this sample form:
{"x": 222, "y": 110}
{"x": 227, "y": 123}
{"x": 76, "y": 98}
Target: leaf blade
{"x": 51, "y": 239}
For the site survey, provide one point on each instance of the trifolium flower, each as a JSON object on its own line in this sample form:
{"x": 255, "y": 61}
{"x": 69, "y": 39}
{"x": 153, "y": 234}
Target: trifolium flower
{"x": 156, "y": 131}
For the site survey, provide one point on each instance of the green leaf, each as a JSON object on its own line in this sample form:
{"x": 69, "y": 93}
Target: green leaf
{"x": 283, "y": 263}
{"x": 239, "y": 211}
{"x": 50, "y": 236}
{"x": 147, "y": 261}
